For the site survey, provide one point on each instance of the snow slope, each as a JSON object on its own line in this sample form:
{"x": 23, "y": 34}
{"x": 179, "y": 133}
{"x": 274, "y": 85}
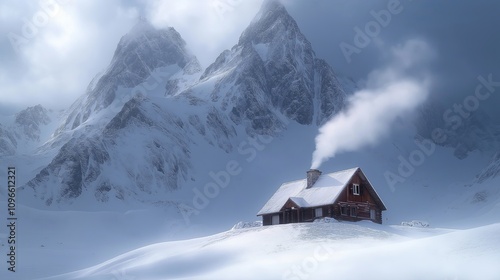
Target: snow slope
{"x": 53, "y": 242}
{"x": 313, "y": 251}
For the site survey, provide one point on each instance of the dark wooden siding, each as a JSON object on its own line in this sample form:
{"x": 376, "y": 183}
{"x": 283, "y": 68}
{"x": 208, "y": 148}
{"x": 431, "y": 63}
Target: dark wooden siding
{"x": 361, "y": 211}
{"x": 363, "y": 203}
{"x": 364, "y": 196}
{"x": 307, "y": 214}
{"x": 333, "y": 211}
{"x": 266, "y": 220}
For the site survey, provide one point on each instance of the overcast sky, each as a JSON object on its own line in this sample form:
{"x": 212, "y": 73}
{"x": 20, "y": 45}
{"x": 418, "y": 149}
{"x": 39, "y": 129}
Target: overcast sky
{"x": 49, "y": 53}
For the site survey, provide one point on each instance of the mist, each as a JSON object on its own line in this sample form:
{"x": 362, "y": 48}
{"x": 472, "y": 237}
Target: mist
{"x": 391, "y": 92}
{"x": 208, "y": 27}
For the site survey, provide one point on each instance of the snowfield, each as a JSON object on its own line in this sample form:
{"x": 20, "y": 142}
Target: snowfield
{"x": 331, "y": 250}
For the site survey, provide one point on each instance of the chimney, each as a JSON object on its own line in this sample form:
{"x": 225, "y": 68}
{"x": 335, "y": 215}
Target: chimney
{"x": 312, "y": 177}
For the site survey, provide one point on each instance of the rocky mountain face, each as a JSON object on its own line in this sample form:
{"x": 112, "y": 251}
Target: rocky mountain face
{"x": 479, "y": 131}
{"x": 131, "y": 136}
{"x": 8, "y": 142}
{"x": 273, "y": 68}
{"x": 30, "y": 120}
{"x": 491, "y": 171}
{"x": 25, "y": 128}
{"x": 139, "y": 53}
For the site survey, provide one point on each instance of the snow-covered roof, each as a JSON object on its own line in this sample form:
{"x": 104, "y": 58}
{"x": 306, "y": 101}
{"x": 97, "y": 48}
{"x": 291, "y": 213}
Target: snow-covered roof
{"x": 300, "y": 201}
{"x": 325, "y": 191}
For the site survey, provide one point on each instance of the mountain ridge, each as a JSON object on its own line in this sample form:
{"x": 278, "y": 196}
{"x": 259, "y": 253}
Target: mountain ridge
{"x": 140, "y": 147}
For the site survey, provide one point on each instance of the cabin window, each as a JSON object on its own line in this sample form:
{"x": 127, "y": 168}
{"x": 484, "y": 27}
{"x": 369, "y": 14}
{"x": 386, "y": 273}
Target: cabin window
{"x": 372, "y": 214}
{"x": 355, "y": 189}
{"x": 353, "y": 212}
{"x": 275, "y": 219}
{"x": 343, "y": 210}
{"x": 318, "y": 212}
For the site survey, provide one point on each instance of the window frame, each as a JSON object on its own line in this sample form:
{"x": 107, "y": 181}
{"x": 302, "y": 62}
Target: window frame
{"x": 320, "y": 209}
{"x": 354, "y": 211}
{"x": 344, "y": 210}
{"x": 356, "y": 189}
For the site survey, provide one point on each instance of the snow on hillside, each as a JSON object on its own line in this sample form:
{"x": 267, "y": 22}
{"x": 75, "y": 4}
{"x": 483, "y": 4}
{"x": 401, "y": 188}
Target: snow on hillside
{"x": 339, "y": 250}
{"x": 54, "y": 242}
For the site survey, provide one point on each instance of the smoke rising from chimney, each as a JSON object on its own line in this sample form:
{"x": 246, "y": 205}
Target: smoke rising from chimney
{"x": 390, "y": 93}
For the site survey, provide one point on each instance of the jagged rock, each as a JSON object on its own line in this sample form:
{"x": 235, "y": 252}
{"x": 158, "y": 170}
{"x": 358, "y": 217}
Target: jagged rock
{"x": 271, "y": 71}
{"x": 8, "y": 142}
{"x": 24, "y": 130}
{"x": 30, "y": 119}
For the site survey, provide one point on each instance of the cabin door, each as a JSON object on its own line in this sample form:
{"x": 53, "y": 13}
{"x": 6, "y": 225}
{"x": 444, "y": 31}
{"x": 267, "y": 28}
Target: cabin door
{"x": 290, "y": 215}
{"x": 372, "y": 214}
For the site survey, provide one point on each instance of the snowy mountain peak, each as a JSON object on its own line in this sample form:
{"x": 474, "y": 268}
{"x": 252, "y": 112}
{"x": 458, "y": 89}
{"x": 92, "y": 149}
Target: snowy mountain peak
{"x": 33, "y": 116}
{"x": 268, "y": 9}
{"x": 142, "y": 26}
{"x": 145, "y": 49}
{"x": 276, "y": 71}
{"x": 140, "y": 54}
{"x": 30, "y": 120}
{"x": 149, "y": 48}
{"x": 24, "y": 131}
{"x": 271, "y": 23}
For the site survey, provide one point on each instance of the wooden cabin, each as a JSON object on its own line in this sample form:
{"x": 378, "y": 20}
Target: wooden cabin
{"x": 343, "y": 195}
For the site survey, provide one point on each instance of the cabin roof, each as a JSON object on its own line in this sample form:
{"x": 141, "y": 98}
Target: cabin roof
{"x": 299, "y": 201}
{"x": 325, "y": 191}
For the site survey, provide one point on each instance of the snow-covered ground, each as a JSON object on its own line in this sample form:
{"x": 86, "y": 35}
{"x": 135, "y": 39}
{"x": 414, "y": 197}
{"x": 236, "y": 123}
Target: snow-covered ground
{"x": 53, "y": 242}
{"x": 337, "y": 250}
{"x": 144, "y": 244}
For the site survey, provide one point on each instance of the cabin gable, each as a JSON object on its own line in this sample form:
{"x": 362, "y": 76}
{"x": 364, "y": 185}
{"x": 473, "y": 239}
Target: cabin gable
{"x": 289, "y": 204}
{"x": 358, "y": 201}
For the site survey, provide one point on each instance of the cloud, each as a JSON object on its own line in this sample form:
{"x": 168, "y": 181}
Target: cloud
{"x": 208, "y": 26}
{"x": 52, "y": 49}
{"x": 69, "y": 42}
{"x": 412, "y": 53}
{"x": 390, "y": 93}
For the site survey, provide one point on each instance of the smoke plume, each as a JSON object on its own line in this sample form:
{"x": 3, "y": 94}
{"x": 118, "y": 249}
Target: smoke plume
{"x": 370, "y": 112}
